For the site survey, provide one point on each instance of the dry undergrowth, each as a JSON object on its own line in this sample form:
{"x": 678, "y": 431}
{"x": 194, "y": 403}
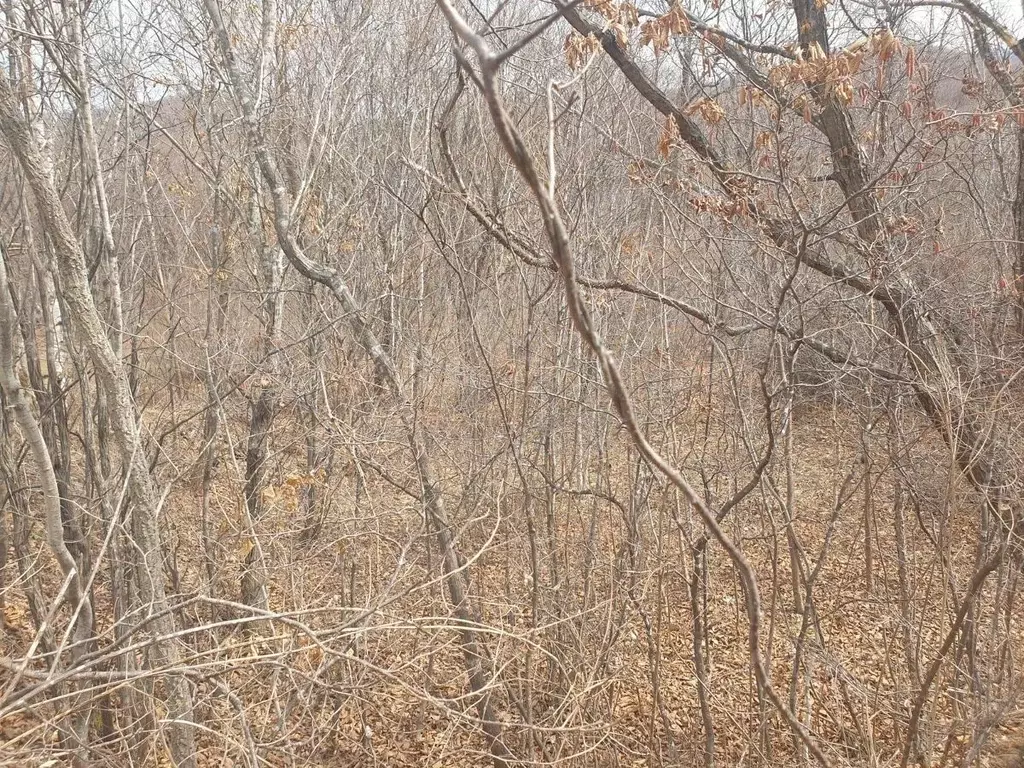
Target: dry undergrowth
{"x": 364, "y": 668}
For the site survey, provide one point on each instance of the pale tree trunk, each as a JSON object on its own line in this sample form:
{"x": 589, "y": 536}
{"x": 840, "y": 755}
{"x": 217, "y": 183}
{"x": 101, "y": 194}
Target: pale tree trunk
{"x": 789, "y": 510}
{"x": 255, "y": 576}
{"x": 77, "y": 597}
{"x": 43, "y": 379}
{"x": 90, "y": 147}
{"x": 319, "y": 453}
{"x": 21, "y": 533}
{"x": 112, "y": 379}
{"x": 217, "y": 299}
{"x": 475, "y": 659}
{"x": 47, "y": 376}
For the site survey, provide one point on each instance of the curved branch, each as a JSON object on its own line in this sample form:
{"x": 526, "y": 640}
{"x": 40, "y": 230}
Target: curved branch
{"x": 580, "y": 315}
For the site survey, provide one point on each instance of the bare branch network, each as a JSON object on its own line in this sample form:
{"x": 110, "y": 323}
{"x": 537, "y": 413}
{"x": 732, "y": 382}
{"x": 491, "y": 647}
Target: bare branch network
{"x": 535, "y": 383}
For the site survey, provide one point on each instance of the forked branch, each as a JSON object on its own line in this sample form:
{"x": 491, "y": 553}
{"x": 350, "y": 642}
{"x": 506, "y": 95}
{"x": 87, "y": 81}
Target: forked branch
{"x": 561, "y": 252}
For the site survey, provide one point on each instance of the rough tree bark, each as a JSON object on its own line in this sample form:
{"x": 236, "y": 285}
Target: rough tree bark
{"x": 969, "y": 432}
{"x": 264, "y": 410}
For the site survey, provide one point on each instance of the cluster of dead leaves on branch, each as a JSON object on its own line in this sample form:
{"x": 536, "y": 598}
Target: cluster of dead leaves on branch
{"x": 620, "y": 20}
{"x": 658, "y": 32}
{"x": 833, "y": 75}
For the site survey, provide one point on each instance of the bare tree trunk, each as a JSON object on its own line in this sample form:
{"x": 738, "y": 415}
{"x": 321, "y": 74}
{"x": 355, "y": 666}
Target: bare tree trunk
{"x": 21, "y": 535}
{"x": 254, "y": 584}
{"x": 581, "y": 318}
{"x": 46, "y": 381}
{"x": 789, "y": 511}
{"x": 91, "y": 149}
{"x": 475, "y": 659}
{"x": 255, "y": 575}
{"x": 112, "y": 378}
{"x": 78, "y": 598}
{"x": 698, "y": 596}
{"x": 319, "y": 456}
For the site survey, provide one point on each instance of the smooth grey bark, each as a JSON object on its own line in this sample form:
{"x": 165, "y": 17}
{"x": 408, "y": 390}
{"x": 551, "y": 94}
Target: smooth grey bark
{"x": 36, "y": 165}
{"x": 255, "y": 575}
{"x": 476, "y": 661}
{"x": 77, "y": 597}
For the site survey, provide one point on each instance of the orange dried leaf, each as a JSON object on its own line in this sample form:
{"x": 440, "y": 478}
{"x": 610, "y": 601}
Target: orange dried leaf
{"x": 677, "y": 21}
{"x": 605, "y": 7}
{"x": 628, "y": 15}
{"x": 621, "y": 35}
{"x": 669, "y": 134}
{"x": 579, "y": 49}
